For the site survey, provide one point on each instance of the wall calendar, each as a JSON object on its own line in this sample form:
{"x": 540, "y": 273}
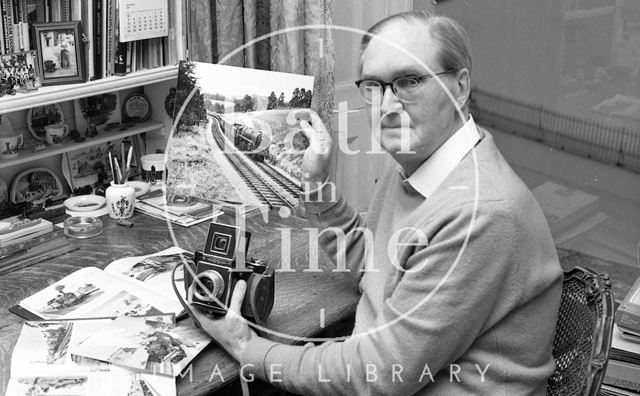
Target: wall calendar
{"x": 143, "y": 19}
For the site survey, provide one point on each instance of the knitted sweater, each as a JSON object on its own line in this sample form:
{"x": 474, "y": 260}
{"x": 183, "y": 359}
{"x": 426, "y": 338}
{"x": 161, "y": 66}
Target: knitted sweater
{"x": 460, "y": 292}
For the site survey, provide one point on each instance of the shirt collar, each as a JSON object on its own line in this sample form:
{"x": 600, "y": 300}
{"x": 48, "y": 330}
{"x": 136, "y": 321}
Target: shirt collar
{"x": 437, "y": 167}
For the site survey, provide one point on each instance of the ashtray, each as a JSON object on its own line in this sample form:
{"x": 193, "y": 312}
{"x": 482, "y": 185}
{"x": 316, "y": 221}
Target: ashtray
{"x": 82, "y": 227}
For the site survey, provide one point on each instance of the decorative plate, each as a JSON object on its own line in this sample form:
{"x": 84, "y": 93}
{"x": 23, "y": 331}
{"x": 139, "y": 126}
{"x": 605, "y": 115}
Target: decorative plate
{"x": 35, "y": 185}
{"x": 136, "y": 107}
{"x": 85, "y": 203}
{"x": 41, "y": 116}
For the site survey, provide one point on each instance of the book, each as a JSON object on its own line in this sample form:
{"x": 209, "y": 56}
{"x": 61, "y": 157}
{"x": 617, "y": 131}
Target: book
{"x": 25, "y": 234}
{"x": 12, "y": 229}
{"x": 35, "y": 241}
{"x": 42, "y": 362}
{"x": 43, "y": 251}
{"x": 132, "y": 286}
{"x": 623, "y": 368}
{"x": 152, "y": 345}
{"x": 244, "y": 129}
{"x": 622, "y": 375}
{"x": 608, "y": 390}
{"x": 627, "y": 315}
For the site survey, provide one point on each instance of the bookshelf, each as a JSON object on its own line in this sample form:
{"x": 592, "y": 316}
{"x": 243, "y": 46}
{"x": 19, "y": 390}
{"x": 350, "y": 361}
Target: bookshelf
{"x": 58, "y": 93}
{"x": 103, "y": 137}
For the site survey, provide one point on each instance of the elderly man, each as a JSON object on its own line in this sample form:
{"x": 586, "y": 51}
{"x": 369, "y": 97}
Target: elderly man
{"x": 461, "y": 287}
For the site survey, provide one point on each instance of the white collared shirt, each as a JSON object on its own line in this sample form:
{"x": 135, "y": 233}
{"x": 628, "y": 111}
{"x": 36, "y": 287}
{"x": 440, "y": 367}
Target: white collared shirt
{"x": 437, "y": 167}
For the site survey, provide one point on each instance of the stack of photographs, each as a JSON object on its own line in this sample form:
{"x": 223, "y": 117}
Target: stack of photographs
{"x": 42, "y": 364}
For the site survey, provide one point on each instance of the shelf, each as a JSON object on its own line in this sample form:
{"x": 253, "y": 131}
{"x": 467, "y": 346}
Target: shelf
{"x": 70, "y": 145}
{"x": 60, "y": 93}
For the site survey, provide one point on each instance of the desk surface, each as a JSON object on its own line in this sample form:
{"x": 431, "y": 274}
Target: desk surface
{"x": 300, "y": 295}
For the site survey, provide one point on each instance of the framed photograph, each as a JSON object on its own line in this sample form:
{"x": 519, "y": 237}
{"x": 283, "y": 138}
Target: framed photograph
{"x": 60, "y": 52}
{"x": 20, "y": 70}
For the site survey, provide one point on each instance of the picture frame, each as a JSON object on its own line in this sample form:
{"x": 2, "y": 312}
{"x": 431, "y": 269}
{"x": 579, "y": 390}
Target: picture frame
{"x": 60, "y": 52}
{"x": 19, "y": 71}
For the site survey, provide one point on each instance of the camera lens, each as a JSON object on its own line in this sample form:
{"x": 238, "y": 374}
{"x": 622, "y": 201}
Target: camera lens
{"x": 211, "y": 282}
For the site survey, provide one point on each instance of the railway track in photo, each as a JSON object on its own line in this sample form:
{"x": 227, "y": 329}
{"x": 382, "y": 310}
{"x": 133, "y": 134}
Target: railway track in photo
{"x": 266, "y": 183}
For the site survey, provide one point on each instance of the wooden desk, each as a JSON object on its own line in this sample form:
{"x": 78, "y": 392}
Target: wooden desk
{"x": 300, "y": 295}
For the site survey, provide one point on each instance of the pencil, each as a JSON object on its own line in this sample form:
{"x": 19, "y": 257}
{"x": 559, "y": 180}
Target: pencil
{"x": 119, "y": 181}
{"x": 113, "y": 174}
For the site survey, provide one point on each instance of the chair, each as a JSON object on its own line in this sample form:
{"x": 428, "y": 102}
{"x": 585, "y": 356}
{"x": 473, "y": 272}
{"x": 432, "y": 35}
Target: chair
{"x": 583, "y": 333}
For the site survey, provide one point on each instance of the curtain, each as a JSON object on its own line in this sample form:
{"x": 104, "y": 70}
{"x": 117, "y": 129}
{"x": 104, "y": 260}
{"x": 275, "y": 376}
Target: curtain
{"x": 221, "y": 27}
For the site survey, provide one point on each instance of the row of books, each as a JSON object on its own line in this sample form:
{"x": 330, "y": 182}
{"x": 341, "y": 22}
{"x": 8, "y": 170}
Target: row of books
{"x": 109, "y": 31}
{"x": 18, "y": 14}
{"x": 109, "y": 27}
{"x": 107, "y": 332}
{"x": 14, "y": 26}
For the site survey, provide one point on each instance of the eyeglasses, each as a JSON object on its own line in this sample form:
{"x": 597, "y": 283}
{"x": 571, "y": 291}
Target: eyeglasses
{"x": 406, "y": 88}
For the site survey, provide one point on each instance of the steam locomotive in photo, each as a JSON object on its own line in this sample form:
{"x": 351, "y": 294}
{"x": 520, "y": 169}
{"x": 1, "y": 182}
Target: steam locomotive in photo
{"x": 245, "y": 139}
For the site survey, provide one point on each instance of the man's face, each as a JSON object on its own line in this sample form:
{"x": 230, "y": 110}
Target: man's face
{"x": 432, "y": 115}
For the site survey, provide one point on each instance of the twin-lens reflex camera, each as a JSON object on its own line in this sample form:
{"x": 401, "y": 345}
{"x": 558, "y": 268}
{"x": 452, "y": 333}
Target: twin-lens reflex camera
{"x": 210, "y": 280}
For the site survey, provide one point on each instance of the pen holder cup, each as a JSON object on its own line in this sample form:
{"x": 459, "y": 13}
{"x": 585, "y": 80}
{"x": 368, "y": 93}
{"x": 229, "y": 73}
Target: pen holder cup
{"x": 121, "y": 200}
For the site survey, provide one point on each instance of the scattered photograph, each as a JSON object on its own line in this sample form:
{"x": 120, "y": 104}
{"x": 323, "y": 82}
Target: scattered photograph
{"x": 69, "y": 298}
{"x": 56, "y": 337}
{"x": 45, "y": 386}
{"x": 239, "y": 135}
{"x": 125, "y": 304}
{"x": 154, "y": 345}
{"x": 43, "y": 347}
{"x": 153, "y": 266}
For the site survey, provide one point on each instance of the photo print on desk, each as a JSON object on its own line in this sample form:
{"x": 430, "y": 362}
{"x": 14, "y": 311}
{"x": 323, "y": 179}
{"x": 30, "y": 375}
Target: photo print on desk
{"x": 154, "y": 345}
{"x": 41, "y": 364}
{"x": 238, "y": 139}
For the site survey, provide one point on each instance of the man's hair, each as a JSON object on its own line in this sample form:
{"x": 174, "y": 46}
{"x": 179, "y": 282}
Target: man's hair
{"x": 454, "y": 50}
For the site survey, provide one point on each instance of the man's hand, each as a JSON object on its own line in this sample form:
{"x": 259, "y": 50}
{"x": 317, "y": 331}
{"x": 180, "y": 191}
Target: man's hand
{"x": 316, "y": 158}
{"x": 230, "y": 331}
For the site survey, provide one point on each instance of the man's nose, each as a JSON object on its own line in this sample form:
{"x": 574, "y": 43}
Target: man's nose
{"x": 390, "y": 101}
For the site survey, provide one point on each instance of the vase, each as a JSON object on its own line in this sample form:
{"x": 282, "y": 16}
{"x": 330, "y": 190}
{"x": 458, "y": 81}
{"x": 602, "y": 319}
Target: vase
{"x": 121, "y": 200}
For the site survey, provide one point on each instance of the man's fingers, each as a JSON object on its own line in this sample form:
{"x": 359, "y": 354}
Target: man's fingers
{"x": 238, "y": 296}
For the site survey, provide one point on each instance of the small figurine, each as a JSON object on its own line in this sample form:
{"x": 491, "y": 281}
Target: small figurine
{"x": 39, "y": 147}
{"x": 75, "y": 135}
{"x": 91, "y": 131}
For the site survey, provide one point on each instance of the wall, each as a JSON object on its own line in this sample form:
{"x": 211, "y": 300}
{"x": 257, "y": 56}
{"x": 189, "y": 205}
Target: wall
{"x": 356, "y": 173}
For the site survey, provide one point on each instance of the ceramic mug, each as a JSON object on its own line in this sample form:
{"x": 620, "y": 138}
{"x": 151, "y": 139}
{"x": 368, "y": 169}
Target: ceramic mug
{"x": 9, "y": 146}
{"x": 152, "y": 167}
{"x": 56, "y": 134}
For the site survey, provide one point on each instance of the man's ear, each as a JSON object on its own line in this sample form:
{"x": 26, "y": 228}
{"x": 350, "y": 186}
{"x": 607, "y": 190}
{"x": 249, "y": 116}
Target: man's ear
{"x": 463, "y": 78}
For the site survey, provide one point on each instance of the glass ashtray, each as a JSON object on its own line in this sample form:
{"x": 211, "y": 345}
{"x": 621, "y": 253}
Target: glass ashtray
{"x": 82, "y": 227}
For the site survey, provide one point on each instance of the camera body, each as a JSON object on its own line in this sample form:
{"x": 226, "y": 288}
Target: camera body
{"x": 210, "y": 280}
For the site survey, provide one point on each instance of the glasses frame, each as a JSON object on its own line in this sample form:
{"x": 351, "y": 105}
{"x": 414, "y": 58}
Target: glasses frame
{"x": 385, "y": 84}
